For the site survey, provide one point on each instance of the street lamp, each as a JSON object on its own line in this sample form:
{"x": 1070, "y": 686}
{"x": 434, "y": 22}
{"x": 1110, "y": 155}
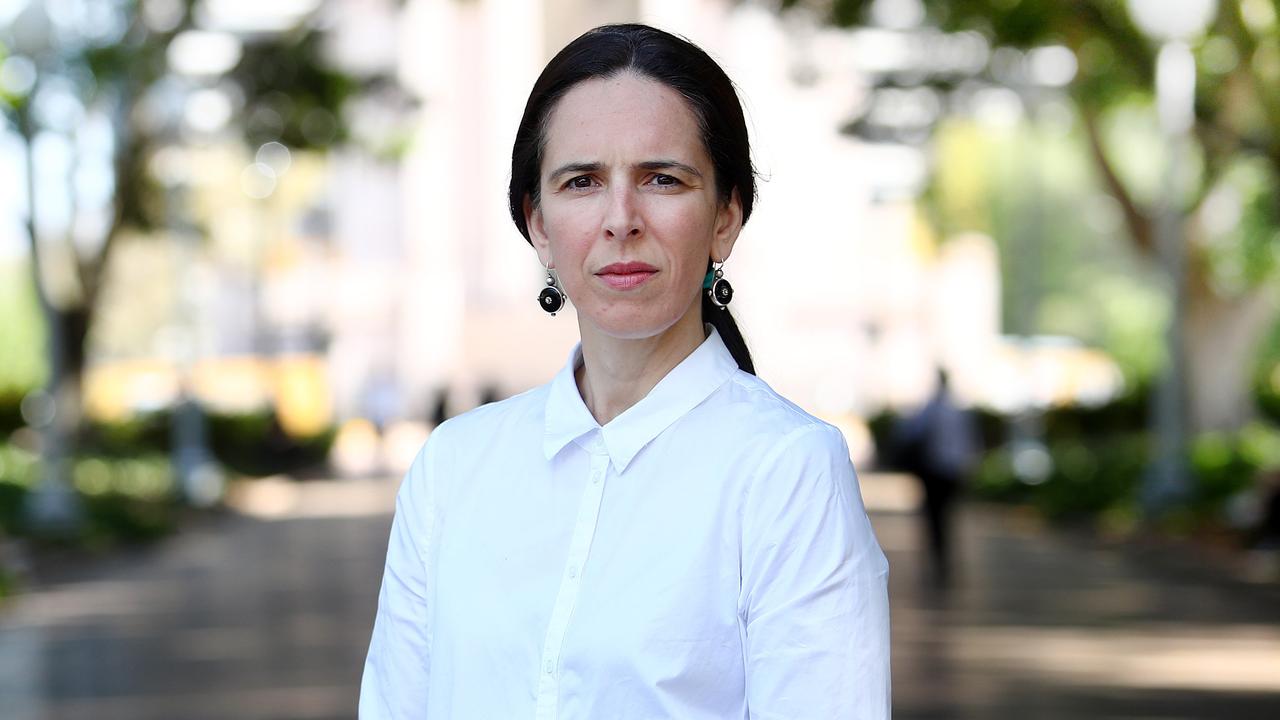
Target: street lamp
{"x": 1173, "y": 23}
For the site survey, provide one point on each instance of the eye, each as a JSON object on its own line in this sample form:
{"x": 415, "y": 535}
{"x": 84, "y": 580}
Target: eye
{"x": 665, "y": 180}
{"x": 580, "y": 182}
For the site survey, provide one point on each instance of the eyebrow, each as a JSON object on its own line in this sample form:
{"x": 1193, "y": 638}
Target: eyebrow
{"x": 575, "y": 168}
{"x": 670, "y": 165}
{"x": 581, "y": 167}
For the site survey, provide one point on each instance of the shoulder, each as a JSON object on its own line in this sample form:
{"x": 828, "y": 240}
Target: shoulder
{"x": 481, "y": 425}
{"x": 772, "y": 424}
{"x": 491, "y": 431}
{"x": 782, "y": 451}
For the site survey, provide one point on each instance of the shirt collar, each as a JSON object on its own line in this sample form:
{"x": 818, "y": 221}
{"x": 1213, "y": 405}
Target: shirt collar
{"x": 681, "y": 390}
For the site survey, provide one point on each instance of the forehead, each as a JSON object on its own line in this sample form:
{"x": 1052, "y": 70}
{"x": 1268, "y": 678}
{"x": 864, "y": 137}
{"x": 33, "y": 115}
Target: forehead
{"x": 626, "y": 118}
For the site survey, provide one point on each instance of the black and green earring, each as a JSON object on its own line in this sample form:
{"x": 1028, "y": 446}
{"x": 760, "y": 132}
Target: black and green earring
{"x": 718, "y": 289}
{"x": 550, "y": 299}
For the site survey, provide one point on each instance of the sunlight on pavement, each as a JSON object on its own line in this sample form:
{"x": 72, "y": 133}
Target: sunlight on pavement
{"x": 292, "y": 702}
{"x": 279, "y": 497}
{"x": 889, "y": 492}
{"x": 1182, "y": 656}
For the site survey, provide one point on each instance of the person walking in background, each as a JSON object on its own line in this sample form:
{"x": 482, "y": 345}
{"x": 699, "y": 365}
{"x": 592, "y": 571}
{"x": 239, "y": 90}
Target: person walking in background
{"x": 939, "y": 445}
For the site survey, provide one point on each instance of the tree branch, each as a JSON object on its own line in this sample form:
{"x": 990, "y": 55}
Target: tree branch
{"x": 1136, "y": 218}
{"x": 1128, "y": 44}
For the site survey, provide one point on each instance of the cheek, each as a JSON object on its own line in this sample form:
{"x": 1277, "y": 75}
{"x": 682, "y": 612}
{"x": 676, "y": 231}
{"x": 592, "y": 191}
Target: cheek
{"x": 688, "y": 234}
{"x": 569, "y": 234}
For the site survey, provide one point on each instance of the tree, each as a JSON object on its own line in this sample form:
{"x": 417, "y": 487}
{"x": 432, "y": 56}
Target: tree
{"x": 1233, "y": 207}
{"x": 114, "y": 58}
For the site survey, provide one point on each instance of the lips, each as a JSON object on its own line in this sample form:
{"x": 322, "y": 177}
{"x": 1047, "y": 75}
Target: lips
{"x": 626, "y": 275}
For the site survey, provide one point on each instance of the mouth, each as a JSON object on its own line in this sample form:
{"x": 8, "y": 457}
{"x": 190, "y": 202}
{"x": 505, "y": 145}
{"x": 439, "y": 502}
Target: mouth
{"x": 625, "y": 276}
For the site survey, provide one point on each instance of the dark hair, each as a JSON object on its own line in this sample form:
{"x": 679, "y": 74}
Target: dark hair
{"x": 675, "y": 62}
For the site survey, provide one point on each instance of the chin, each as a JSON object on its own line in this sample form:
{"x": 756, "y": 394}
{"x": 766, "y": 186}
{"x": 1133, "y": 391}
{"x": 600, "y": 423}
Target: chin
{"x": 629, "y": 323}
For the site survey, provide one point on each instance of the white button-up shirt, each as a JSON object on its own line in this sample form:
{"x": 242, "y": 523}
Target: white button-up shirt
{"x": 705, "y": 554}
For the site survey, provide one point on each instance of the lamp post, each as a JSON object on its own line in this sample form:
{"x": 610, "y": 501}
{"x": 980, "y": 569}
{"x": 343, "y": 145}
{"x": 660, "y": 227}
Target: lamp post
{"x": 1173, "y": 23}
{"x": 53, "y": 507}
{"x": 197, "y": 58}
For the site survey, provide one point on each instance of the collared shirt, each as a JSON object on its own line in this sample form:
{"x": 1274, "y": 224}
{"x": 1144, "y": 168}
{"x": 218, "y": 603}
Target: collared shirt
{"x": 705, "y": 554}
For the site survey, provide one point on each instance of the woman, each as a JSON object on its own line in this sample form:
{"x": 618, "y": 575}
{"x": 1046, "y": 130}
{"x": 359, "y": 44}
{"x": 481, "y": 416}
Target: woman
{"x": 655, "y": 533}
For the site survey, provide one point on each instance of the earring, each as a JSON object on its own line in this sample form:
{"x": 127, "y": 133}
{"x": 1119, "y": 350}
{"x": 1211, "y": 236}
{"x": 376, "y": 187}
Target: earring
{"x": 718, "y": 289}
{"x": 550, "y": 299}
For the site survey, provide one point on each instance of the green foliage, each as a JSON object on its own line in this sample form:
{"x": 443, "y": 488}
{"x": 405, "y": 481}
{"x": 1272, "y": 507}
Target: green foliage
{"x": 290, "y": 95}
{"x": 1088, "y": 477}
{"x": 142, "y": 433}
{"x": 1124, "y": 415}
{"x": 1098, "y": 457}
{"x": 284, "y": 89}
{"x": 1099, "y": 475}
{"x": 1041, "y": 183}
{"x": 252, "y": 443}
{"x": 18, "y": 472}
{"x": 1031, "y": 189}
{"x": 881, "y": 427}
{"x": 256, "y": 444}
{"x": 1127, "y": 320}
{"x": 1237, "y": 102}
{"x": 1227, "y": 463}
{"x": 116, "y": 513}
{"x": 1242, "y": 219}
{"x": 994, "y": 479}
{"x": 22, "y": 366}
{"x": 1237, "y": 108}
{"x": 1259, "y": 445}
{"x": 10, "y": 412}
{"x": 127, "y": 500}
{"x": 10, "y": 101}
{"x": 1266, "y": 376}
{"x": 124, "y": 499}
{"x": 1220, "y": 467}
{"x": 124, "y": 480}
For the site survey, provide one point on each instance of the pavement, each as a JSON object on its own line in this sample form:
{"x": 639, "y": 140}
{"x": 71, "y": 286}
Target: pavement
{"x": 264, "y": 611}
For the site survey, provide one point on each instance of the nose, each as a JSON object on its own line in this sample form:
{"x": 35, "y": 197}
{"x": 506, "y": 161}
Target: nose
{"x": 622, "y": 218}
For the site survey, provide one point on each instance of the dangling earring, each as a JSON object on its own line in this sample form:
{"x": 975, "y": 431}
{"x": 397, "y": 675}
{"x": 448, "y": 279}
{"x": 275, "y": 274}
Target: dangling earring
{"x": 718, "y": 289}
{"x": 550, "y": 299}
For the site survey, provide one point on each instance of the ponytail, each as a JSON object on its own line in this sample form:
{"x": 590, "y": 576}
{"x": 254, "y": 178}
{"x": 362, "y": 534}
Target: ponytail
{"x": 724, "y": 324}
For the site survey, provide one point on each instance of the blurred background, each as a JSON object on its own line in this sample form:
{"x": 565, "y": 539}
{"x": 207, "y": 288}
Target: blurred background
{"x": 251, "y": 252}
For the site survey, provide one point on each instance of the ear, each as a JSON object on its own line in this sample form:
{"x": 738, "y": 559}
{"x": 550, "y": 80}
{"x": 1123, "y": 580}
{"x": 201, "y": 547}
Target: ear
{"x": 728, "y": 225}
{"x": 537, "y": 232}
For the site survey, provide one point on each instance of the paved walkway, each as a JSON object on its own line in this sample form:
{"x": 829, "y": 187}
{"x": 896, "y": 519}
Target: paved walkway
{"x": 266, "y": 612}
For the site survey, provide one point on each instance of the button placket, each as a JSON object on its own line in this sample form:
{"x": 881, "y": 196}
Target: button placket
{"x": 567, "y": 596}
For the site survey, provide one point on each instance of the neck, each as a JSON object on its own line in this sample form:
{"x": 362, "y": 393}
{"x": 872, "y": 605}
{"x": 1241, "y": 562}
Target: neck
{"x": 617, "y": 373}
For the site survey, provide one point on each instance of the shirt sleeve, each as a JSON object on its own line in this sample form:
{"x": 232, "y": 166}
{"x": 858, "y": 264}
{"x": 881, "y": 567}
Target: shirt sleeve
{"x": 398, "y": 666}
{"x": 814, "y": 587}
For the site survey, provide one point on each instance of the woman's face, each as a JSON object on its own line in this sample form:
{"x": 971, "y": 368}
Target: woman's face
{"x": 629, "y": 214}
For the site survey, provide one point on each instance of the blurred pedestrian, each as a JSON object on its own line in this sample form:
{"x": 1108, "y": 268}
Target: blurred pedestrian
{"x": 655, "y": 532}
{"x": 939, "y": 445}
{"x": 1266, "y": 536}
{"x": 438, "y": 409}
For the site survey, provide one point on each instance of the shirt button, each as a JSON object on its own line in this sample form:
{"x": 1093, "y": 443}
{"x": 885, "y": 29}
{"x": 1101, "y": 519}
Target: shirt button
{"x": 551, "y": 666}
{"x": 595, "y": 479}
{"x": 573, "y": 572}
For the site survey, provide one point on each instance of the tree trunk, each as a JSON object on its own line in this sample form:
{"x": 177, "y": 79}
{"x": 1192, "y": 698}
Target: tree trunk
{"x": 1222, "y": 336}
{"x": 73, "y": 357}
